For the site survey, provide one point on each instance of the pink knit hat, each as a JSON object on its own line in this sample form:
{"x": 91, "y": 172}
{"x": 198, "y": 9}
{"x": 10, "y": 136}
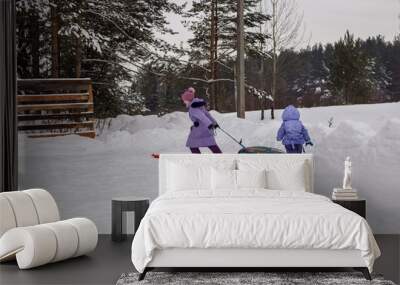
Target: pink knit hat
{"x": 188, "y": 95}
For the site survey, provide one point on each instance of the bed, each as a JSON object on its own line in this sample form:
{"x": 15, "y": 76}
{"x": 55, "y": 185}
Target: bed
{"x": 247, "y": 211}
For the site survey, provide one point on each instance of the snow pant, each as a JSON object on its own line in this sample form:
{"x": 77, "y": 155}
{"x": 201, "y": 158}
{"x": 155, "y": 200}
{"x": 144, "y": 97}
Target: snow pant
{"x": 213, "y": 148}
{"x": 294, "y": 148}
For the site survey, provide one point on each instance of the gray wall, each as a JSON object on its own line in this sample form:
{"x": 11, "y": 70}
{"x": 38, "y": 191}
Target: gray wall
{"x": 87, "y": 192}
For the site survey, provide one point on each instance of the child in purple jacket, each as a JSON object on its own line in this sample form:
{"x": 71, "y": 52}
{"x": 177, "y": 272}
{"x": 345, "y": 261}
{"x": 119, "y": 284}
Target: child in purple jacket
{"x": 202, "y": 131}
{"x": 292, "y": 133}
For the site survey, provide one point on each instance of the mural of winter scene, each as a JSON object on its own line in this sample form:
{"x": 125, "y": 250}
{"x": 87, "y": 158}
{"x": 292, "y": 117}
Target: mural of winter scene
{"x": 121, "y": 81}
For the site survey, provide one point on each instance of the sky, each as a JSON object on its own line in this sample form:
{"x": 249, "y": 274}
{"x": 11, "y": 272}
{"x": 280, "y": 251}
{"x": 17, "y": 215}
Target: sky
{"x": 327, "y": 20}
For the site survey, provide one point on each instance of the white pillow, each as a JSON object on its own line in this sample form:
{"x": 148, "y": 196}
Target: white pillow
{"x": 251, "y": 178}
{"x": 291, "y": 178}
{"x": 193, "y": 174}
{"x": 223, "y": 179}
{"x": 186, "y": 178}
{"x": 283, "y": 174}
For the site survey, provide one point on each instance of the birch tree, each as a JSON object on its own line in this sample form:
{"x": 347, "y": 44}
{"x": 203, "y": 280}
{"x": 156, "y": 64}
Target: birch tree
{"x": 287, "y": 31}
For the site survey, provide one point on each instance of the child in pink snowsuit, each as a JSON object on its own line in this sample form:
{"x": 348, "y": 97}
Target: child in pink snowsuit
{"x": 202, "y": 132}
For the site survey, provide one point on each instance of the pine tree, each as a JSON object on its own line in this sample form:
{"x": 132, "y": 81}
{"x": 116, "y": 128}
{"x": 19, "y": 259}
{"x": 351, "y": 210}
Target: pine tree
{"x": 107, "y": 41}
{"x": 393, "y": 67}
{"x": 213, "y": 23}
{"x": 32, "y": 35}
{"x": 378, "y": 50}
{"x": 351, "y": 71}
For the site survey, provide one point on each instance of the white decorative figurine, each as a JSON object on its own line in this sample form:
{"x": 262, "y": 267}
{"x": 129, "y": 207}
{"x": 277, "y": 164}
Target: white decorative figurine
{"x": 346, "y": 192}
{"x": 347, "y": 174}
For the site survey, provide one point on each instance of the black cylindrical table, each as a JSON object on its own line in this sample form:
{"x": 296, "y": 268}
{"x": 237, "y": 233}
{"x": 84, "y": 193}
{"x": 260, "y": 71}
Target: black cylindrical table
{"x": 119, "y": 205}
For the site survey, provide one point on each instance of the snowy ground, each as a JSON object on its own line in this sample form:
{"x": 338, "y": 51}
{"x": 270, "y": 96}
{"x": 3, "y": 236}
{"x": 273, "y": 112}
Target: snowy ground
{"x": 84, "y": 174}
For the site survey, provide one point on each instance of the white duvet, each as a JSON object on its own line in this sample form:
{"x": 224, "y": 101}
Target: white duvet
{"x": 250, "y": 219}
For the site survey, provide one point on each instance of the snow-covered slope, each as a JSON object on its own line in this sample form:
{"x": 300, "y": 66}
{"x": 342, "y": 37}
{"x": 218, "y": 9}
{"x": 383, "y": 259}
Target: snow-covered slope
{"x": 84, "y": 174}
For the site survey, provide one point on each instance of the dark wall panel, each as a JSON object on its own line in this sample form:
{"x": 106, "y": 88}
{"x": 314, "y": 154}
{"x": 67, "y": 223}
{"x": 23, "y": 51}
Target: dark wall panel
{"x": 8, "y": 119}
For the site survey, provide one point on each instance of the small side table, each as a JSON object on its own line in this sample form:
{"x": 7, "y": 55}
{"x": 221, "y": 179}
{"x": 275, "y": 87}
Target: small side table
{"x": 139, "y": 205}
{"x": 358, "y": 206}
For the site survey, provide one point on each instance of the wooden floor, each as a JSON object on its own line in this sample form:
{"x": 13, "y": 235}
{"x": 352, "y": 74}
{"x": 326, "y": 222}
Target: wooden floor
{"x": 110, "y": 260}
{"x": 103, "y": 266}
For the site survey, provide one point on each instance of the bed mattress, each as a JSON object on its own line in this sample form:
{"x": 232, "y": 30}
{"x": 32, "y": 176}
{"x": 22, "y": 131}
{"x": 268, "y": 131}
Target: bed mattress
{"x": 250, "y": 219}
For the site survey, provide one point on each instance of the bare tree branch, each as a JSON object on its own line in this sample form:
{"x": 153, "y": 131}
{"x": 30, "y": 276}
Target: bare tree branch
{"x": 208, "y": 81}
{"x": 110, "y": 62}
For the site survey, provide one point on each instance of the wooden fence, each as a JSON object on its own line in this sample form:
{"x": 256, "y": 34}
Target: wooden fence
{"x": 56, "y": 107}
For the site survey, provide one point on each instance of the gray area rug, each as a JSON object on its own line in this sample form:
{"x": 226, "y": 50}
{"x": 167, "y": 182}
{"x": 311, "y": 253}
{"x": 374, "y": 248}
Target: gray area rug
{"x": 268, "y": 278}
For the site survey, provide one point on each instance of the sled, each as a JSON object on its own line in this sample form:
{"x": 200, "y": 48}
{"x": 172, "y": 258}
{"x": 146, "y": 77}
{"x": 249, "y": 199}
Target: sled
{"x": 260, "y": 149}
{"x": 252, "y": 149}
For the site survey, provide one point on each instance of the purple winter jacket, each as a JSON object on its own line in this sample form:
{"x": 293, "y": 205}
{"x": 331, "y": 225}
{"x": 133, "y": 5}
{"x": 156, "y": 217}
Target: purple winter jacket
{"x": 200, "y": 136}
{"x": 292, "y": 130}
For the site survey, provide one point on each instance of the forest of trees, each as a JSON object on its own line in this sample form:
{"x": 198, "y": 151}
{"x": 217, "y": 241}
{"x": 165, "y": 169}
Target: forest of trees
{"x": 118, "y": 45}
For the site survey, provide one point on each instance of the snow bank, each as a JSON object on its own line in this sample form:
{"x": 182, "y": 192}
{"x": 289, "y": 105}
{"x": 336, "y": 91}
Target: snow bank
{"x": 84, "y": 174}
